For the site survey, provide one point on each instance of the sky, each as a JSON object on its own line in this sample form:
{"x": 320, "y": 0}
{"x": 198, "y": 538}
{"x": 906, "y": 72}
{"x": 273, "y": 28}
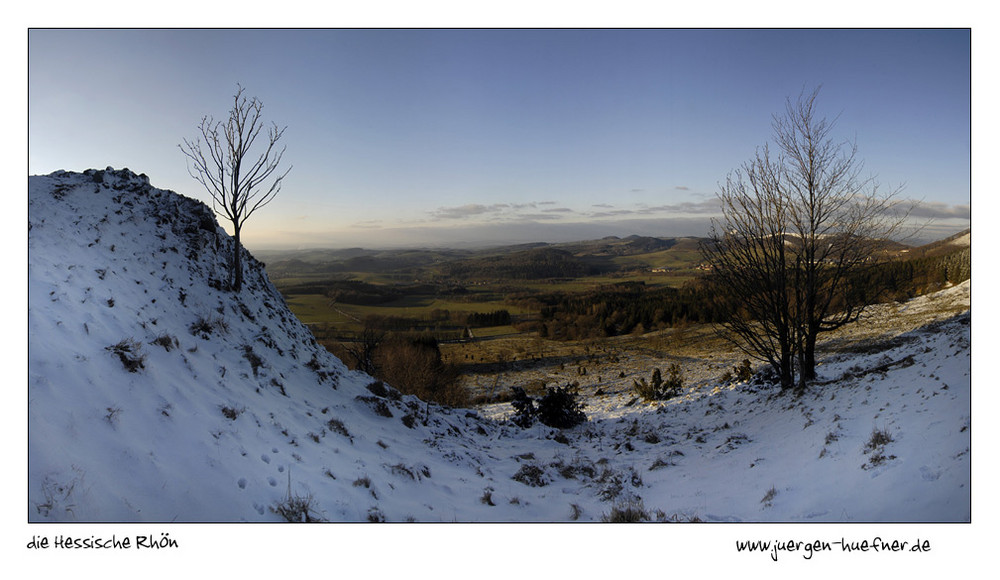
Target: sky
{"x": 401, "y": 137}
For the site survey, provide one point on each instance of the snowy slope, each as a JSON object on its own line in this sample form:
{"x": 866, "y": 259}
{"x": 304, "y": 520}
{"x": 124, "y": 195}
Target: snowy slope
{"x": 156, "y": 395}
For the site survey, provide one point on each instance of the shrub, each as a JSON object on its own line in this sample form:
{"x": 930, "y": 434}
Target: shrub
{"x": 128, "y": 351}
{"x": 232, "y": 413}
{"x": 414, "y": 366}
{"x": 337, "y": 426}
{"x": 297, "y": 509}
{"x": 204, "y": 327}
{"x": 560, "y": 408}
{"x": 531, "y": 475}
{"x": 380, "y": 389}
{"x": 524, "y": 408}
{"x": 879, "y": 438}
{"x": 317, "y": 367}
{"x": 613, "y": 483}
{"x": 659, "y": 389}
{"x": 743, "y": 372}
{"x": 627, "y": 513}
{"x": 166, "y": 341}
{"x": 376, "y": 404}
{"x": 769, "y": 496}
{"x": 401, "y": 469}
{"x": 876, "y": 447}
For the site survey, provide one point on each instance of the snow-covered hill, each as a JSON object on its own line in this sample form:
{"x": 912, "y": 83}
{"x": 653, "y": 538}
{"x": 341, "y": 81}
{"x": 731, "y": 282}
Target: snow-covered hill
{"x": 156, "y": 395}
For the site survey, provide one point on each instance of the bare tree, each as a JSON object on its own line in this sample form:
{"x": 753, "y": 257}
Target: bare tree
{"x": 839, "y": 223}
{"x": 751, "y": 271}
{"x": 795, "y": 240}
{"x": 364, "y": 350}
{"x": 240, "y": 177}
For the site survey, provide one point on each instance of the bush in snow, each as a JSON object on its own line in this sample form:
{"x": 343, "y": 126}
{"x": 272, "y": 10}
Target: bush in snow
{"x": 232, "y": 413}
{"x": 128, "y": 351}
{"x": 628, "y": 512}
{"x": 531, "y": 475}
{"x": 875, "y": 448}
{"x": 558, "y": 408}
{"x": 380, "y": 389}
{"x": 743, "y": 372}
{"x": 524, "y": 408}
{"x": 659, "y": 389}
{"x": 204, "y": 327}
{"x": 166, "y": 341}
{"x": 337, "y": 426}
{"x": 297, "y": 509}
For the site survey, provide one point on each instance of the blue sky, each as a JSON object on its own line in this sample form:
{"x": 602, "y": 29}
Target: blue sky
{"x": 415, "y": 136}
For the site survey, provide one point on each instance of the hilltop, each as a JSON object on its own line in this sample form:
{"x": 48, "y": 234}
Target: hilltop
{"x": 155, "y": 394}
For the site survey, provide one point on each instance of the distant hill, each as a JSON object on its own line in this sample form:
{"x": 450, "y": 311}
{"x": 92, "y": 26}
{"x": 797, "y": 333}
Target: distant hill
{"x": 613, "y": 246}
{"x": 952, "y": 243}
{"x": 537, "y": 263}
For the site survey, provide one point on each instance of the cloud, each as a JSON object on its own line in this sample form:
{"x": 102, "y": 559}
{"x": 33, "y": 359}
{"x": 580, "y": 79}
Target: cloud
{"x": 529, "y": 217}
{"x": 498, "y": 212}
{"x": 705, "y": 207}
{"x": 465, "y": 211}
{"x": 612, "y": 213}
{"x": 939, "y": 210}
{"x": 688, "y": 208}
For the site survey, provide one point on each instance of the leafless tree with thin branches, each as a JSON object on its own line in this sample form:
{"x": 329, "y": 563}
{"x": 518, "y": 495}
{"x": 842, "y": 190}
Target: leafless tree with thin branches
{"x": 798, "y": 233}
{"x": 237, "y": 162}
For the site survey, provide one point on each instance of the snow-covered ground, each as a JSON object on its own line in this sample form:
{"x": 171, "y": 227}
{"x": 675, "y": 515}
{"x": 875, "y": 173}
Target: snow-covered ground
{"x": 154, "y": 395}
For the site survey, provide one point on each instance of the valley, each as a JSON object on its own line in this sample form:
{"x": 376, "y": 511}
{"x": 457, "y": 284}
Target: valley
{"x": 491, "y": 311}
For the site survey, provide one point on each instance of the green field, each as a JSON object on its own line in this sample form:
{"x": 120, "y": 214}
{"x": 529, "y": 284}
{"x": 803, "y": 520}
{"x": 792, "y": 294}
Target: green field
{"x": 424, "y": 290}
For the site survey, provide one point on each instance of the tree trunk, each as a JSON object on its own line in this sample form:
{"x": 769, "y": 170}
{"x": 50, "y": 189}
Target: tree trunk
{"x": 809, "y": 358}
{"x": 802, "y": 371}
{"x": 786, "y": 373}
{"x": 236, "y": 273}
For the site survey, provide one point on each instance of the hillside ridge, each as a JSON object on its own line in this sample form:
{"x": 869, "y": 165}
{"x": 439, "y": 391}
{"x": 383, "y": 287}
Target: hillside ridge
{"x": 157, "y": 395}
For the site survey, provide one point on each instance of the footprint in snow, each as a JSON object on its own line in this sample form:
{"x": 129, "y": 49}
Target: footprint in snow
{"x": 272, "y": 482}
{"x": 928, "y": 474}
{"x": 265, "y": 458}
{"x": 242, "y": 483}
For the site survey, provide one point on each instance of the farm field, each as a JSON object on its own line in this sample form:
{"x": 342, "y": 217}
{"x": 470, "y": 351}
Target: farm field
{"x": 449, "y": 295}
{"x": 435, "y": 290}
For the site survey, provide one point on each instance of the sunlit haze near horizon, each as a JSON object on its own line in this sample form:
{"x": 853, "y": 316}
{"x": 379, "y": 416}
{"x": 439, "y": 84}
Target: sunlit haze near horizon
{"x": 490, "y": 136}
